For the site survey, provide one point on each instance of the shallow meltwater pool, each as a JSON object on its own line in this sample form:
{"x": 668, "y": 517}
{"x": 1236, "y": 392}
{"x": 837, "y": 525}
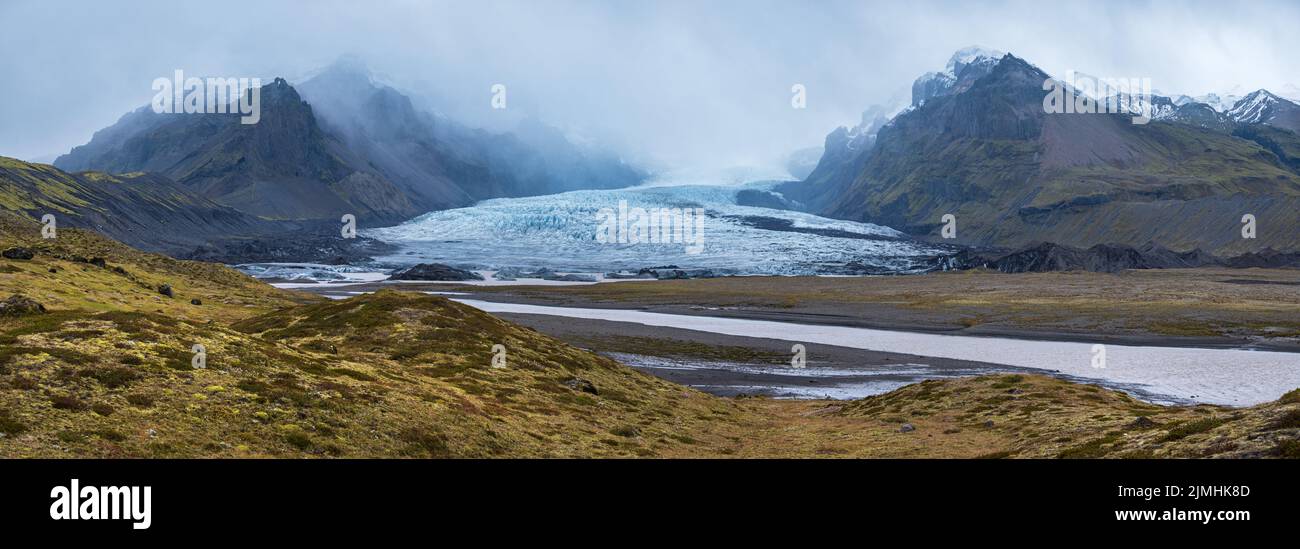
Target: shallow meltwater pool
{"x": 1159, "y": 374}
{"x": 730, "y": 379}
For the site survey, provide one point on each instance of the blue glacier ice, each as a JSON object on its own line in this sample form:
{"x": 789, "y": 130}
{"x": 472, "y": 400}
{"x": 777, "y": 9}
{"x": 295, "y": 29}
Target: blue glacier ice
{"x": 559, "y": 231}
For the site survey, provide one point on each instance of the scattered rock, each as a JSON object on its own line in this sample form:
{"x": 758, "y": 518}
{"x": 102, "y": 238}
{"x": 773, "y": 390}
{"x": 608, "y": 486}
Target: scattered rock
{"x": 572, "y": 278}
{"x": 20, "y": 305}
{"x": 18, "y": 253}
{"x": 305, "y": 246}
{"x": 628, "y": 275}
{"x": 579, "y": 384}
{"x": 673, "y": 272}
{"x": 99, "y": 262}
{"x": 434, "y": 272}
{"x": 165, "y": 289}
{"x": 196, "y": 301}
{"x": 1142, "y": 422}
{"x": 988, "y": 424}
{"x": 511, "y": 273}
{"x": 906, "y": 428}
{"x": 629, "y": 431}
{"x": 54, "y": 270}
{"x": 119, "y": 270}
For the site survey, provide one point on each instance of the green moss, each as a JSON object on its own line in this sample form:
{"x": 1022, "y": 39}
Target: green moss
{"x": 1288, "y": 420}
{"x": 354, "y": 374}
{"x": 627, "y": 431}
{"x": 175, "y": 358}
{"x": 298, "y": 440}
{"x": 425, "y": 442}
{"x": 67, "y": 356}
{"x": 1184, "y": 430}
{"x": 110, "y": 377}
{"x": 67, "y": 402}
{"x": 1291, "y": 397}
{"x": 10, "y": 426}
{"x": 140, "y": 400}
{"x": 1088, "y": 450}
{"x": 52, "y": 321}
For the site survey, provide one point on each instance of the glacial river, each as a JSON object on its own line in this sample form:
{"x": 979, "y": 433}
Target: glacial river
{"x": 1164, "y": 374}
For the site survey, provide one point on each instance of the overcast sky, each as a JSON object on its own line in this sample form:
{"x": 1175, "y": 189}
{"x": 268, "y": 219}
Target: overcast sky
{"x": 690, "y": 84}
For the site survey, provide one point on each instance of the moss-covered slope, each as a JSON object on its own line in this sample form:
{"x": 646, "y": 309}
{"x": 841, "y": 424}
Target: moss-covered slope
{"x": 109, "y": 370}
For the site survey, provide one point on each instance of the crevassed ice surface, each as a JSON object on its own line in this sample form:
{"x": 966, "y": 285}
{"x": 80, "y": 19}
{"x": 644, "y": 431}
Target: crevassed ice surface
{"x": 559, "y": 232}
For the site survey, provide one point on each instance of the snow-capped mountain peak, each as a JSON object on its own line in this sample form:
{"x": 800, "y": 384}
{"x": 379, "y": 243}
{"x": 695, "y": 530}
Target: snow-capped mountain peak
{"x": 933, "y": 84}
{"x": 1254, "y": 108}
{"x": 1224, "y": 101}
{"x": 969, "y": 55}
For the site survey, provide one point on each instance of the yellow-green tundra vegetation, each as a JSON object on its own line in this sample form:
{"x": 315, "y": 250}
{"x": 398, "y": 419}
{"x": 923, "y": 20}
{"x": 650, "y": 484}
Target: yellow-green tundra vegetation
{"x": 106, "y": 371}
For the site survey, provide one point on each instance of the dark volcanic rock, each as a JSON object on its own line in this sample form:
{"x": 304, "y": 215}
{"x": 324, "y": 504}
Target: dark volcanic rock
{"x": 1102, "y": 258}
{"x": 1142, "y": 422}
{"x": 321, "y": 246}
{"x": 511, "y": 273}
{"x": 1267, "y": 258}
{"x": 673, "y": 272}
{"x": 626, "y": 275}
{"x": 1054, "y": 257}
{"x": 165, "y": 289}
{"x": 579, "y": 384}
{"x": 20, "y": 305}
{"x": 434, "y": 272}
{"x": 18, "y": 253}
{"x": 572, "y": 278}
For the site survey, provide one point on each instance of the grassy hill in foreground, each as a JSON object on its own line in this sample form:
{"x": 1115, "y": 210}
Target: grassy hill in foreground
{"x": 106, "y": 371}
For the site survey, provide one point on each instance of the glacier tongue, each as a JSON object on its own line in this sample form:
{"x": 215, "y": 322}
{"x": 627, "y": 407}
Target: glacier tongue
{"x": 558, "y": 232}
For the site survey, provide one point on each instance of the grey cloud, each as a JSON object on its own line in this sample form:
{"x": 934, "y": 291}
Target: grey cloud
{"x": 676, "y": 83}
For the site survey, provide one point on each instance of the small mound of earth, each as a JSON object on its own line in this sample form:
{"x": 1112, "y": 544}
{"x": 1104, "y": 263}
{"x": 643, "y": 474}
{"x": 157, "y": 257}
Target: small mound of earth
{"x": 20, "y": 305}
